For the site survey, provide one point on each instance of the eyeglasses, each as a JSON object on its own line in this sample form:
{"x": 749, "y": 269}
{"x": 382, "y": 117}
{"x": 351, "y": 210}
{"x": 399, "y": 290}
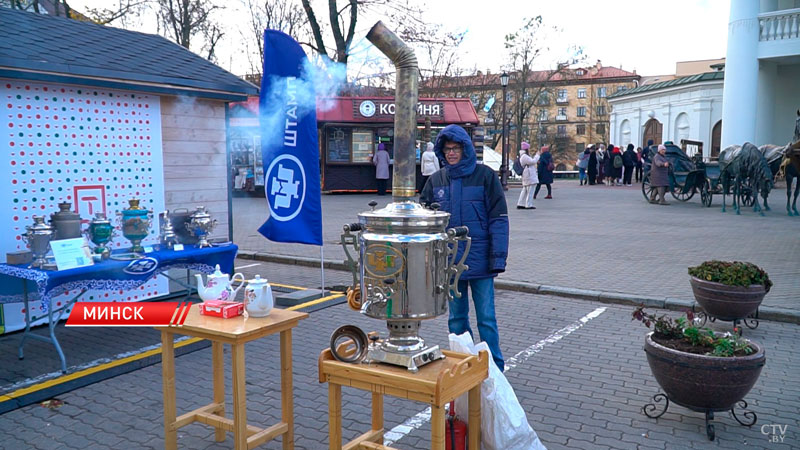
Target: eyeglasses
{"x": 455, "y": 149}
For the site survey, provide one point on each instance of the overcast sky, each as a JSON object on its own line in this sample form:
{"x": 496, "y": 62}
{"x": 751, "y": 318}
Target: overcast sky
{"x": 647, "y": 35}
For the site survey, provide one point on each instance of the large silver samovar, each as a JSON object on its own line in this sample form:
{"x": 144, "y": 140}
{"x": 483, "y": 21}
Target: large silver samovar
{"x": 38, "y": 236}
{"x": 406, "y": 269}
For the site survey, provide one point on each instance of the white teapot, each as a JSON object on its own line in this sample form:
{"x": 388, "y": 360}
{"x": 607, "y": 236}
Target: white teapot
{"x": 218, "y": 286}
{"x": 258, "y": 300}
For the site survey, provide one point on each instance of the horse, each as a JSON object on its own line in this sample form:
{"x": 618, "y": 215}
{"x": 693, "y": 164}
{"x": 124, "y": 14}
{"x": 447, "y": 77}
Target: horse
{"x": 747, "y": 167}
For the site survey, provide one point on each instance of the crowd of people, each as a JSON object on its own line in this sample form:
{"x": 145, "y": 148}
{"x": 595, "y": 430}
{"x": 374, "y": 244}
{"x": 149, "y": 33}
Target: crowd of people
{"x": 611, "y": 166}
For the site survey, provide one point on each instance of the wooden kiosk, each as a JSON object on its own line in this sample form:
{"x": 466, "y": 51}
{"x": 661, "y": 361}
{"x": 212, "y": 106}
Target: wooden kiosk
{"x": 436, "y": 384}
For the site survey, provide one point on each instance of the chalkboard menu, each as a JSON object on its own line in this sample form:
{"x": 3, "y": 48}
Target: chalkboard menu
{"x": 338, "y": 144}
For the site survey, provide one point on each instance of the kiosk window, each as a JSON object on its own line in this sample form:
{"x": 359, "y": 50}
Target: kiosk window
{"x": 338, "y": 144}
{"x": 362, "y": 146}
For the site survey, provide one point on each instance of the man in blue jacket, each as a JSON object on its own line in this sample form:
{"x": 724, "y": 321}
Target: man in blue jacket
{"x": 473, "y": 196}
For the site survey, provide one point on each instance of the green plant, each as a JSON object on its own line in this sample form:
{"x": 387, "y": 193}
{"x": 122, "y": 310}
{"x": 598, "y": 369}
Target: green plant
{"x": 698, "y": 340}
{"x": 735, "y": 273}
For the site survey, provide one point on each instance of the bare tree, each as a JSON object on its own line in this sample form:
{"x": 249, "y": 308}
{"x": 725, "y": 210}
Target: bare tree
{"x": 182, "y": 20}
{"x": 281, "y": 15}
{"x": 530, "y": 87}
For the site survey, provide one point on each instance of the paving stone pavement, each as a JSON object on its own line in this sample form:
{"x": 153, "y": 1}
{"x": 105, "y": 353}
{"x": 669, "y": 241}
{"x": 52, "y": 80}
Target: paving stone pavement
{"x": 596, "y": 237}
{"x": 583, "y": 391}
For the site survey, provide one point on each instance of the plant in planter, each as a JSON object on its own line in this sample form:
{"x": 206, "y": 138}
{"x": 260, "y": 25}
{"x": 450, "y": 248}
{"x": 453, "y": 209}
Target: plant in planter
{"x": 730, "y": 291}
{"x": 698, "y": 368}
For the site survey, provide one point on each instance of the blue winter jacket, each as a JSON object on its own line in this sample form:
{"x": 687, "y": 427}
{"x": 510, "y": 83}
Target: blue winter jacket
{"x": 473, "y": 196}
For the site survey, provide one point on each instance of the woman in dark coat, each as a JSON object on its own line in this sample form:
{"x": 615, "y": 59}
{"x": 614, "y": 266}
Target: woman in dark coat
{"x": 659, "y": 176}
{"x": 608, "y": 165}
{"x": 639, "y": 164}
{"x": 544, "y": 172}
{"x": 592, "y": 169}
{"x": 628, "y": 162}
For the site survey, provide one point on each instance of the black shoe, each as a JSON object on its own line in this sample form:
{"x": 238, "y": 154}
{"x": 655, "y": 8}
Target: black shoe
{"x": 532, "y": 207}
{"x": 520, "y": 207}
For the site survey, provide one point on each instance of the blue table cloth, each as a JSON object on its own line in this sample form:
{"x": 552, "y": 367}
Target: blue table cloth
{"x": 110, "y": 274}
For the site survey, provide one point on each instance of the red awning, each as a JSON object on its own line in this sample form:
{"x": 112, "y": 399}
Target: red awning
{"x": 347, "y": 110}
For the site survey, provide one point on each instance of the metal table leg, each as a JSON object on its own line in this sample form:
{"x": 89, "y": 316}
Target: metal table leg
{"x": 52, "y": 321}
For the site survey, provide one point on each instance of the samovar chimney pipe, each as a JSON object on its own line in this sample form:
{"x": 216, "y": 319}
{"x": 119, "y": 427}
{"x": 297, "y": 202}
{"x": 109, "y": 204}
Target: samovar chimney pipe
{"x": 405, "y": 116}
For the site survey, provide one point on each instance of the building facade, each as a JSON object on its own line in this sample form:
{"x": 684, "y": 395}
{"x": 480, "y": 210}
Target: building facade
{"x": 567, "y": 108}
{"x": 762, "y": 69}
{"x": 685, "y": 108}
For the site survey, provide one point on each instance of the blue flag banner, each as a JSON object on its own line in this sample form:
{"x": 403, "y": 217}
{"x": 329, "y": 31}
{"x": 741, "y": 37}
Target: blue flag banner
{"x": 289, "y": 144}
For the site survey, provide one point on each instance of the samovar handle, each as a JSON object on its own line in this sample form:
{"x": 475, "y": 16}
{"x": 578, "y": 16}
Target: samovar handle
{"x": 455, "y": 270}
{"x": 348, "y": 239}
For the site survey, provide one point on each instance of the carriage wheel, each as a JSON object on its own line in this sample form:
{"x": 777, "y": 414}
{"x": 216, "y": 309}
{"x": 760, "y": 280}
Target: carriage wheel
{"x": 678, "y": 194}
{"x": 647, "y": 189}
{"x": 705, "y": 194}
{"x": 747, "y": 195}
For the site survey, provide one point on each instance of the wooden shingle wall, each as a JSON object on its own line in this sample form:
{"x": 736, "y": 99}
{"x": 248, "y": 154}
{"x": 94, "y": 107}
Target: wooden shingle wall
{"x": 195, "y": 171}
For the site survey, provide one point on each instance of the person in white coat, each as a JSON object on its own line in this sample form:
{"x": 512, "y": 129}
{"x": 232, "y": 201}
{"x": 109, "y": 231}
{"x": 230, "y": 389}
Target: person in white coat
{"x": 530, "y": 177}
{"x": 429, "y": 163}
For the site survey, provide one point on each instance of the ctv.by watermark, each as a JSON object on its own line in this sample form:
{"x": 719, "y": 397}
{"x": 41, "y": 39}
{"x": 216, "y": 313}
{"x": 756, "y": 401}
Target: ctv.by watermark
{"x": 775, "y": 433}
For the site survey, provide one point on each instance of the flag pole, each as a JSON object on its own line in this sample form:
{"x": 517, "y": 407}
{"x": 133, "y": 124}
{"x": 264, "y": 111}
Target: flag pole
{"x": 322, "y": 266}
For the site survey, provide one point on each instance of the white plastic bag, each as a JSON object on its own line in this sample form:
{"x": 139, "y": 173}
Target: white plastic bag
{"x": 504, "y": 425}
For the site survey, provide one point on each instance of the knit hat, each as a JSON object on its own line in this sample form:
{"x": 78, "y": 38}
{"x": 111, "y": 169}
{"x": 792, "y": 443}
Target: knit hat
{"x": 525, "y": 145}
{"x": 429, "y": 146}
{"x": 661, "y": 147}
{"x": 381, "y": 146}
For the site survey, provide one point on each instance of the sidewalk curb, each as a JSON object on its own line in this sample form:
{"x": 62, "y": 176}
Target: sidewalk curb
{"x": 617, "y": 298}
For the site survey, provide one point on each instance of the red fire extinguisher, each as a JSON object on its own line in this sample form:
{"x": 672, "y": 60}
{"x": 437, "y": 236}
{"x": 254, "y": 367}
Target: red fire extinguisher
{"x": 455, "y": 431}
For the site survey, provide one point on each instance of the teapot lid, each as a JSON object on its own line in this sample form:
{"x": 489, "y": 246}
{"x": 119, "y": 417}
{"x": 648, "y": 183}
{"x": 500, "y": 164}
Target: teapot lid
{"x": 217, "y": 273}
{"x": 258, "y": 281}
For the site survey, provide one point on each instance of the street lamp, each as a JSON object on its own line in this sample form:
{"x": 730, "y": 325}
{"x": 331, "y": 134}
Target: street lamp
{"x": 504, "y": 163}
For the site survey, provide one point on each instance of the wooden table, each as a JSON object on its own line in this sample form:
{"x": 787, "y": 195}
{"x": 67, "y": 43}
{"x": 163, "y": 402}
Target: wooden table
{"x": 236, "y": 332}
{"x": 436, "y": 383}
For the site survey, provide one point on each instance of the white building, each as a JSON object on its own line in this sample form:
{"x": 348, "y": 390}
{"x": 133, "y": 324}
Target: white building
{"x": 757, "y": 103}
{"x": 762, "y": 79}
{"x": 683, "y": 108}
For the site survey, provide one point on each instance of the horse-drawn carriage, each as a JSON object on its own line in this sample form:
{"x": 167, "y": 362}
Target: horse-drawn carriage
{"x": 746, "y": 170}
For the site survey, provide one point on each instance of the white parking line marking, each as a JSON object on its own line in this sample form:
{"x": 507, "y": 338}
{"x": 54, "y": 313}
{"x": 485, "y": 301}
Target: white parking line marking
{"x": 419, "y": 419}
{"x": 245, "y": 267}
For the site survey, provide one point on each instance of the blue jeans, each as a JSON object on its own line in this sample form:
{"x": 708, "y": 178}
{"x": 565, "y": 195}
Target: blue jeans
{"x": 582, "y": 174}
{"x": 483, "y": 298}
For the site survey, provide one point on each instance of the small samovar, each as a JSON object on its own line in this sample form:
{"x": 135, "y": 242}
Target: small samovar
{"x": 101, "y": 232}
{"x": 200, "y": 224}
{"x": 38, "y": 237}
{"x": 166, "y": 235}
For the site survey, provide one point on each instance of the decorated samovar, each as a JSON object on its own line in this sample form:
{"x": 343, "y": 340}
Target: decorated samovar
{"x": 135, "y": 224}
{"x": 200, "y": 224}
{"x": 101, "y": 232}
{"x": 38, "y": 237}
{"x": 406, "y": 270}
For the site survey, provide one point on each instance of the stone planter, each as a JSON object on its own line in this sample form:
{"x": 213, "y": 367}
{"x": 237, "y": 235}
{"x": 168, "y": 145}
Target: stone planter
{"x": 729, "y": 303}
{"x": 703, "y": 383}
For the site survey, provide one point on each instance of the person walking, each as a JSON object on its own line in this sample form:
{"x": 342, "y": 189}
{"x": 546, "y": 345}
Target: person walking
{"x": 381, "y": 162}
{"x": 529, "y": 177}
{"x": 628, "y": 163}
{"x": 639, "y": 164}
{"x": 659, "y": 176}
{"x": 545, "y": 171}
{"x": 429, "y": 163}
{"x": 583, "y": 164}
{"x": 474, "y": 197}
{"x": 592, "y": 169}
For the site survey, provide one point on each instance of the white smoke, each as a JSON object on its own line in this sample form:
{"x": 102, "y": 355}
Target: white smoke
{"x": 291, "y": 97}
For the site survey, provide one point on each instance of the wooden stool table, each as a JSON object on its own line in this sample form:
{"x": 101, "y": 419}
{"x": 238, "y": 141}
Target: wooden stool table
{"x": 436, "y": 383}
{"x": 236, "y": 332}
